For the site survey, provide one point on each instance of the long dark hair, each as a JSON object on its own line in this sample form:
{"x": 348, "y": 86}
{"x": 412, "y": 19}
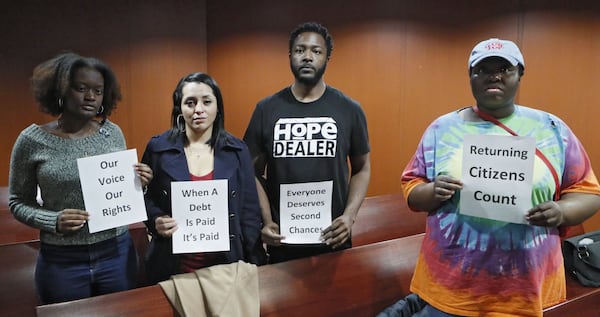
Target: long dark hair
{"x": 218, "y": 129}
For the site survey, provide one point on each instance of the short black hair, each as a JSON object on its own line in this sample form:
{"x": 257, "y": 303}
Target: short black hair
{"x": 53, "y": 78}
{"x": 312, "y": 27}
{"x": 218, "y": 129}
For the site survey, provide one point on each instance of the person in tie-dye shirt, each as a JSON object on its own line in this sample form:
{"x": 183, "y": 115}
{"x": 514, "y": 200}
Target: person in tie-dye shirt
{"x": 471, "y": 266}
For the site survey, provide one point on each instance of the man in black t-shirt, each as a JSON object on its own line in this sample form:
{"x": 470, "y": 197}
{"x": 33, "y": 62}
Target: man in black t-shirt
{"x": 301, "y": 139}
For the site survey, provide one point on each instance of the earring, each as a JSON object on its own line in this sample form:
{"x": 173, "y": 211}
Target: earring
{"x": 180, "y": 126}
{"x": 60, "y": 102}
{"x": 100, "y": 110}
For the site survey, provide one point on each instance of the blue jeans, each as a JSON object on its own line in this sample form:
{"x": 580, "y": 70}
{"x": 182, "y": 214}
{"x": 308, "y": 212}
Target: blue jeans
{"x": 413, "y": 306}
{"x": 65, "y": 273}
{"x": 406, "y": 307}
{"x": 430, "y": 311}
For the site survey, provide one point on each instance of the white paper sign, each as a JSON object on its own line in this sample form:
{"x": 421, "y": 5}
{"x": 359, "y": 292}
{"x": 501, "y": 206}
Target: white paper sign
{"x": 497, "y": 174}
{"x": 305, "y": 211}
{"x": 112, "y": 191}
{"x": 201, "y": 210}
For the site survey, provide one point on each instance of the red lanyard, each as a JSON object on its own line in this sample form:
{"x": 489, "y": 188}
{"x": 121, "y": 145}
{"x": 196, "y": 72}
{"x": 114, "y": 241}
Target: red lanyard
{"x": 539, "y": 153}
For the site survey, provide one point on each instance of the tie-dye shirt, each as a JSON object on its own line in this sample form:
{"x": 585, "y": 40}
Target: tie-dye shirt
{"x": 472, "y": 266}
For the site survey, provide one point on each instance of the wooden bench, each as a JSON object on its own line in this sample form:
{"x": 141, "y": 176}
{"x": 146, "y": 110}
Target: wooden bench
{"x": 17, "y": 289}
{"x": 385, "y": 217}
{"x": 360, "y": 281}
{"x": 12, "y": 231}
{"x": 581, "y": 302}
{"x": 4, "y": 198}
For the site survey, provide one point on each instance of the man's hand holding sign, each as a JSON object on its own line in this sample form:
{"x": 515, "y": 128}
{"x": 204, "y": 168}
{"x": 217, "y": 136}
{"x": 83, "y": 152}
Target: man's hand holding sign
{"x": 305, "y": 210}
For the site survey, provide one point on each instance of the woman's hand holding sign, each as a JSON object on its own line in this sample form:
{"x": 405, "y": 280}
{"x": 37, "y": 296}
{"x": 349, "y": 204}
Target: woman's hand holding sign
{"x": 71, "y": 220}
{"x": 270, "y": 234}
{"x": 547, "y": 214}
{"x": 165, "y": 226}
{"x": 430, "y": 196}
{"x": 144, "y": 172}
{"x": 571, "y": 209}
{"x": 444, "y": 187}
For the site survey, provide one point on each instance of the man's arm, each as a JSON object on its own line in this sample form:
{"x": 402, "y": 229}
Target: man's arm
{"x": 359, "y": 183}
{"x": 254, "y": 139}
{"x": 341, "y": 227}
{"x": 270, "y": 230}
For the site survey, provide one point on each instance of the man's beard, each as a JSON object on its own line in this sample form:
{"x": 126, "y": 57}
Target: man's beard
{"x": 308, "y": 81}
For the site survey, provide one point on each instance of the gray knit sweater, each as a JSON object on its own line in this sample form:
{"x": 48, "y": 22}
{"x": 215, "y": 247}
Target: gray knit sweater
{"x": 43, "y": 159}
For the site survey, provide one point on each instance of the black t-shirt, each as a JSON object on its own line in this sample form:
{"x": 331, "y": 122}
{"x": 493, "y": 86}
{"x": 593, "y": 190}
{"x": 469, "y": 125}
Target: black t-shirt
{"x": 307, "y": 142}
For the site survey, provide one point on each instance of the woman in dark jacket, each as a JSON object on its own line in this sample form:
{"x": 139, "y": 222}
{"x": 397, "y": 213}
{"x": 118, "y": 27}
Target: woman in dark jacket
{"x": 197, "y": 148}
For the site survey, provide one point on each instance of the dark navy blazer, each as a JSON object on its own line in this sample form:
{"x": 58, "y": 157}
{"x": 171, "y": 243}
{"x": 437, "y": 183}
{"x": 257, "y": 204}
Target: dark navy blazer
{"x": 232, "y": 162}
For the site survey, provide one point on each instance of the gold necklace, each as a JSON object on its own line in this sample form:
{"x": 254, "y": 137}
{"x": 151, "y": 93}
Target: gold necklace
{"x": 197, "y": 151}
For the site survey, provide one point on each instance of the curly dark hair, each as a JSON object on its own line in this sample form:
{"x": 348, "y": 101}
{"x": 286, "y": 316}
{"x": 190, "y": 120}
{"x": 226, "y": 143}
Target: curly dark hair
{"x": 312, "y": 27}
{"x": 53, "y": 78}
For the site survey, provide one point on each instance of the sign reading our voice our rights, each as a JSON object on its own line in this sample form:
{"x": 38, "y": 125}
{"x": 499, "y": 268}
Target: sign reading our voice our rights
{"x": 112, "y": 191}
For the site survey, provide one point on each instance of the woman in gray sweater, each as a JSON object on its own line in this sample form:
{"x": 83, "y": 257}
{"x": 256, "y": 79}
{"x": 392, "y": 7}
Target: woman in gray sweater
{"x": 73, "y": 263}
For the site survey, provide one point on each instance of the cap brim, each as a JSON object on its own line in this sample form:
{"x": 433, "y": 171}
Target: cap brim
{"x": 509, "y": 58}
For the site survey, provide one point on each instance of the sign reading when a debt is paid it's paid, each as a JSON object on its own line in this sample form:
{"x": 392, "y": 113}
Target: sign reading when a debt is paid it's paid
{"x": 497, "y": 174}
{"x": 201, "y": 210}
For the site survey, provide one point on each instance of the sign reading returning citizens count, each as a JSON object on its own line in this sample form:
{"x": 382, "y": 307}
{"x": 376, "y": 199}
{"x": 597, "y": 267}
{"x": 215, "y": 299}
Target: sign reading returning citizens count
{"x": 497, "y": 174}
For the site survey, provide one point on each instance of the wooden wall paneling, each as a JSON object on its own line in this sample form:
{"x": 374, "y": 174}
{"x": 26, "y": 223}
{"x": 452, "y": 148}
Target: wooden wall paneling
{"x": 248, "y": 69}
{"x": 154, "y": 71}
{"x": 34, "y": 32}
{"x": 366, "y": 65}
{"x": 149, "y": 45}
{"x": 404, "y": 61}
{"x": 166, "y": 41}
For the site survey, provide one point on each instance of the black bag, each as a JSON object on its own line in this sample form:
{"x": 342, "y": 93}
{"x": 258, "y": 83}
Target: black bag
{"x": 582, "y": 258}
